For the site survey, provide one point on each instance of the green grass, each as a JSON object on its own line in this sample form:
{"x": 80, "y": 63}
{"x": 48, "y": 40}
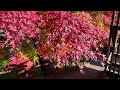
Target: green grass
{"x": 3, "y": 63}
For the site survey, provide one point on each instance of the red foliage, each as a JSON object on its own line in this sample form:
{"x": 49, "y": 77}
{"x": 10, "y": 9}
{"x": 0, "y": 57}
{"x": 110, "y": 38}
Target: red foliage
{"x": 67, "y": 33}
{"x": 75, "y": 32}
{"x": 19, "y": 25}
{"x": 20, "y": 62}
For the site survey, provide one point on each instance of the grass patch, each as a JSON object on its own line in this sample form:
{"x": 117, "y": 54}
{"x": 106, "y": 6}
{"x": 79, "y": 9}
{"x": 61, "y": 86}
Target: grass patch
{"x": 3, "y": 64}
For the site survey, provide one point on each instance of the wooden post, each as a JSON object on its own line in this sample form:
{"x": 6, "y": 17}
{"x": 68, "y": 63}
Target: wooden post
{"x": 110, "y": 37}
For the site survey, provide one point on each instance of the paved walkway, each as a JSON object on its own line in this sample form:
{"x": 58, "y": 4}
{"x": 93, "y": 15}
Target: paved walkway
{"x": 91, "y": 71}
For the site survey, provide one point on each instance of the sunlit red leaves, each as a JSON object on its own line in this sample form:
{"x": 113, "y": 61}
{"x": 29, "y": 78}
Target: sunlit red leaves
{"x": 19, "y": 25}
{"x": 108, "y": 17}
{"x": 62, "y": 32}
{"x": 75, "y": 31}
{"x": 20, "y": 61}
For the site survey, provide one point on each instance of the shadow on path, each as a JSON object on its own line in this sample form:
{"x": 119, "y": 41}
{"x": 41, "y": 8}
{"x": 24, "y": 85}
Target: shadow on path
{"x": 90, "y": 72}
